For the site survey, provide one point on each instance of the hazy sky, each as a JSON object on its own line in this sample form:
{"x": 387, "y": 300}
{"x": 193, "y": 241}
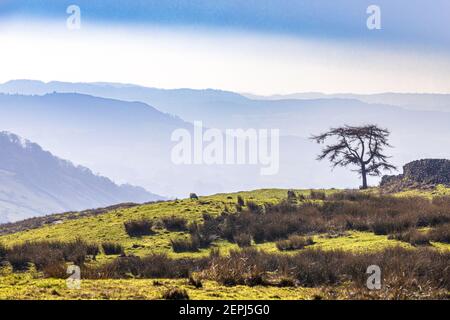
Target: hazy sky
{"x": 255, "y": 46}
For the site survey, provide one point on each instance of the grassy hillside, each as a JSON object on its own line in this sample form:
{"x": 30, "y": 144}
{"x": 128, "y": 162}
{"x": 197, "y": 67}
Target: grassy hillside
{"x": 109, "y": 227}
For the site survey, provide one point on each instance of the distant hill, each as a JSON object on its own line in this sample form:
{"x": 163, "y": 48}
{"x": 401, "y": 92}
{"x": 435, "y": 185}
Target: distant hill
{"x": 189, "y": 104}
{"x": 222, "y": 109}
{"x": 33, "y": 182}
{"x": 129, "y": 141}
{"x": 411, "y": 101}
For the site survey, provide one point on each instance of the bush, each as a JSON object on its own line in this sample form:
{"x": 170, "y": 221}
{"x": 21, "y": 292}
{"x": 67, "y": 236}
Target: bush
{"x": 110, "y": 248}
{"x": 389, "y": 225}
{"x": 414, "y": 237}
{"x": 175, "y": 294}
{"x": 185, "y": 245}
{"x": 308, "y": 268}
{"x": 243, "y": 240}
{"x": 152, "y": 266}
{"x": 3, "y": 251}
{"x": 317, "y": 195}
{"x": 207, "y": 232}
{"x": 175, "y": 223}
{"x": 294, "y": 243}
{"x": 137, "y": 228}
{"x": 240, "y": 201}
{"x": 357, "y": 210}
{"x": 195, "y": 282}
{"x": 316, "y": 268}
{"x": 92, "y": 250}
{"x": 49, "y": 253}
{"x": 236, "y": 269}
{"x": 441, "y": 233}
{"x": 286, "y": 282}
{"x": 253, "y": 207}
{"x": 291, "y": 196}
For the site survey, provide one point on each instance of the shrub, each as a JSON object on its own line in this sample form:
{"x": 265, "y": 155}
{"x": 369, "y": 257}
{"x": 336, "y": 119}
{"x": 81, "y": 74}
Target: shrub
{"x": 243, "y": 240}
{"x": 309, "y": 268}
{"x": 110, "y": 248}
{"x": 389, "y": 225}
{"x": 314, "y": 268}
{"x": 294, "y": 243}
{"x": 412, "y": 236}
{"x": 441, "y": 201}
{"x": 286, "y": 282}
{"x": 92, "y": 250}
{"x": 20, "y": 261}
{"x": 58, "y": 271}
{"x": 351, "y": 195}
{"x": 238, "y": 268}
{"x": 175, "y": 294}
{"x": 441, "y": 233}
{"x": 49, "y": 253}
{"x": 291, "y": 196}
{"x": 357, "y": 210}
{"x": 253, "y": 207}
{"x": 185, "y": 245}
{"x": 152, "y": 266}
{"x": 137, "y": 228}
{"x": 207, "y": 232}
{"x": 3, "y": 251}
{"x": 317, "y": 195}
{"x": 195, "y": 282}
{"x": 175, "y": 223}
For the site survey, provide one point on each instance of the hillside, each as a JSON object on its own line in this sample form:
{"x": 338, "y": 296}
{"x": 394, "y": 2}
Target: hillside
{"x": 34, "y": 182}
{"x": 108, "y": 225}
{"x": 165, "y": 252}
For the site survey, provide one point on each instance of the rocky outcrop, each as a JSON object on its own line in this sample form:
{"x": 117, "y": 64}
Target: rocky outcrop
{"x": 423, "y": 174}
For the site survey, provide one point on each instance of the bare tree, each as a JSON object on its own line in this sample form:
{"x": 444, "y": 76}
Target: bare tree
{"x": 359, "y": 146}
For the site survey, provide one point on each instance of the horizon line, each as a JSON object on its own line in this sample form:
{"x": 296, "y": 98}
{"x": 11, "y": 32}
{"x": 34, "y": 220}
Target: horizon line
{"x": 244, "y": 94}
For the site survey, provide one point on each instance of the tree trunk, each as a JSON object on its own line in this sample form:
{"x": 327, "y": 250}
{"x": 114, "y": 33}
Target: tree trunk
{"x": 364, "y": 176}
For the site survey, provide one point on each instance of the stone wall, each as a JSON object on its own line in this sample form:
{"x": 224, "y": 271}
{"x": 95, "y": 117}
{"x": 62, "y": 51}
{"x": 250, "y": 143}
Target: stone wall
{"x": 425, "y": 173}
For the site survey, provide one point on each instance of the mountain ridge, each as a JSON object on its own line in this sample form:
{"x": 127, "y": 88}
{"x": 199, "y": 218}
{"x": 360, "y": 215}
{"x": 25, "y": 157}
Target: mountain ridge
{"x": 412, "y": 100}
{"x": 35, "y": 182}
{"x": 136, "y": 146}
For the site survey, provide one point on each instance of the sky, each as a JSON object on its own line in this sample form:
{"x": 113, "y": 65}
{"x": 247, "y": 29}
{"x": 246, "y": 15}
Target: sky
{"x": 254, "y": 46}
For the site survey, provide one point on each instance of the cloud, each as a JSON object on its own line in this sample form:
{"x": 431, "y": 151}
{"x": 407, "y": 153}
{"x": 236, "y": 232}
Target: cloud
{"x": 404, "y": 21}
{"x": 172, "y": 57}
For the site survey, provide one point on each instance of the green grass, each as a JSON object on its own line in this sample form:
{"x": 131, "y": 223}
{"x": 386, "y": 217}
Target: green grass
{"x": 31, "y": 286}
{"x": 109, "y": 226}
{"x": 440, "y": 190}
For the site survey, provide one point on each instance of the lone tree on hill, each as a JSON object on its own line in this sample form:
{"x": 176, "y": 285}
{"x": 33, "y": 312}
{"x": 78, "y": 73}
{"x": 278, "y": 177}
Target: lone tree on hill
{"x": 358, "y": 146}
